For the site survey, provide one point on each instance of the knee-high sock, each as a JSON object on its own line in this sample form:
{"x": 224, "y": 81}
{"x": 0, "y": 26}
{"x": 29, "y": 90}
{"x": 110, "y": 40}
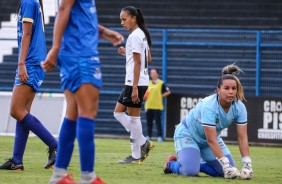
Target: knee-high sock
{"x": 174, "y": 166}
{"x": 209, "y": 170}
{"x": 188, "y": 162}
{"x": 32, "y": 123}
{"x": 134, "y": 135}
{"x": 124, "y": 119}
{"x": 85, "y": 136}
{"x": 66, "y": 143}
{"x": 213, "y": 167}
{"x": 138, "y": 131}
{"x": 20, "y": 142}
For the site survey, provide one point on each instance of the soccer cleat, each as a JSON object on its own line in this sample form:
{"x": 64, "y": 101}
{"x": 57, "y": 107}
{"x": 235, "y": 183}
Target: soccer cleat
{"x": 145, "y": 149}
{"x": 129, "y": 160}
{"x": 97, "y": 181}
{"x": 51, "y": 158}
{"x": 169, "y": 159}
{"x": 66, "y": 180}
{"x": 11, "y": 165}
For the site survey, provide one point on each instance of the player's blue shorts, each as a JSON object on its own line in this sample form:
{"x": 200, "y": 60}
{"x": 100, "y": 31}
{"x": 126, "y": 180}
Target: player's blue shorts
{"x": 184, "y": 139}
{"x": 35, "y": 77}
{"x": 75, "y": 71}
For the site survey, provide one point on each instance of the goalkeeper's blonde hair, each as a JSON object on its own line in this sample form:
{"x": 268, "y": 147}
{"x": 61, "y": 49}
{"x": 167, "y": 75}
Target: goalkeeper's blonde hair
{"x": 231, "y": 72}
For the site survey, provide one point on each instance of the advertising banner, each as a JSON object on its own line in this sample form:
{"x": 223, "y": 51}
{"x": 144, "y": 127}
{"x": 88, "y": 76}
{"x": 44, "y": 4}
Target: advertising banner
{"x": 49, "y": 108}
{"x": 264, "y": 117}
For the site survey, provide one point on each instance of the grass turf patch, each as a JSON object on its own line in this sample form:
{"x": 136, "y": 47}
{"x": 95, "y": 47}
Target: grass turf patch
{"x": 266, "y": 164}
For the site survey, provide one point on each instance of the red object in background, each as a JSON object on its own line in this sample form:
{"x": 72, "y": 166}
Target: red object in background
{"x": 146, "y": 95}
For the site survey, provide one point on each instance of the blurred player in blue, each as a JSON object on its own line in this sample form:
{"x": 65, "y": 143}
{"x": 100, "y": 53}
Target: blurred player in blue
{"x": 138, "y": 55}
{"x": 75, "y": 44}
{"x": 198, "y": 135}
{"x": 29, "y": 76}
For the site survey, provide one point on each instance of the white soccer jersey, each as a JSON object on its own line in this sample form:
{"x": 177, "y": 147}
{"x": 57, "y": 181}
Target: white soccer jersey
{"x": 137, "y": 43}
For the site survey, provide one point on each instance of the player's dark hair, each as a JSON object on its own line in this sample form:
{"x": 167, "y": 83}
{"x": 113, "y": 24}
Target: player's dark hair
{"x": 230, "y": 72}
{"x": 41, "y": 5}
{"x": 140, "y": 21}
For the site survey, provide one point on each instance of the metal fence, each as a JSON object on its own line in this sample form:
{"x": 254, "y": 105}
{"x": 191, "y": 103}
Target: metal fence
{"x": 191, "y": 60}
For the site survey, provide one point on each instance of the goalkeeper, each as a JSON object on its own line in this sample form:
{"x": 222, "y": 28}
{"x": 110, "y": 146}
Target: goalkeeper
{"x": 197, "y": 140}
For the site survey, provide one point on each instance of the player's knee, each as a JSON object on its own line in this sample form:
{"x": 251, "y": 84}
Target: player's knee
{"x": 15, "y": 113}
{"x": 88, "y": 113}
{"x": 118, "y": 115}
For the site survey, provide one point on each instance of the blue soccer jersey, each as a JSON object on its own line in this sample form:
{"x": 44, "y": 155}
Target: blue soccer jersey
{"x": 81, "y": 34}
{"x": 30, "y": 11}
{"x": 210, "y": 113}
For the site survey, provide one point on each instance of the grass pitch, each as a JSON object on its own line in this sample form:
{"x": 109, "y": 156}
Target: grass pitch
{"x": 266, "y": 164}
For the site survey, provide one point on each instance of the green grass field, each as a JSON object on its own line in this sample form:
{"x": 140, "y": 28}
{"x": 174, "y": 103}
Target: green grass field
{"x": 266, "y": 164}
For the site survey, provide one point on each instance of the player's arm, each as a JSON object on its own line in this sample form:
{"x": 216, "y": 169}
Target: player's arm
{"x": 110, "y": 35}
{"x": 229, "y": 171}
{"x": 243, "y": 139}
{"x": 210, "y": 133}
{"x": 136, "y": 76}
{"x": 61, "y": 22}
{"x": 27, "y": 32}
{"x": 246, "y": 171}
{"x": 149, "y": 56}
{"x": 59, "y": 28}
{"x": 165, "y": 91}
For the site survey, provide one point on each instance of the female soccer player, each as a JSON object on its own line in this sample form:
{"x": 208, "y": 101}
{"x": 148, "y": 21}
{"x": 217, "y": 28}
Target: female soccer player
{"x": 29, "y": 76}
{"x": 198, "y": 135}
{"x": 138, "y": 56}
{"x": 76, "y": 26}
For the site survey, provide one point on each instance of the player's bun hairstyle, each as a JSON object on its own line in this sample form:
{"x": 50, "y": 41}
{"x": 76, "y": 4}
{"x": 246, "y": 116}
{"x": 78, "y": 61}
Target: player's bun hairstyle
{"x": 140, "y": 21}
{"x": 231, "y": 72}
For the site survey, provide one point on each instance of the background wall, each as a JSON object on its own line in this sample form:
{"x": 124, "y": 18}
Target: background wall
{"x": 49, "y": 108}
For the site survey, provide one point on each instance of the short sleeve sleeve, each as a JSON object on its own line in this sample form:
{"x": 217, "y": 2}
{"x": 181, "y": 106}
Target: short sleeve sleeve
{"x": 165, "y": 88}
{"x": 242, "y": 114}
{"x": 28, "y": 11}
{"x": 136, "y": 44}
{"x": 208, "y": 117}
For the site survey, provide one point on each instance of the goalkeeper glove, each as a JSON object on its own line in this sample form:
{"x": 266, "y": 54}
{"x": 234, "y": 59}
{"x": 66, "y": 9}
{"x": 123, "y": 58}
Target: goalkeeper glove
{"x": 229, "y": 171}
{"x": 246, "y": 171}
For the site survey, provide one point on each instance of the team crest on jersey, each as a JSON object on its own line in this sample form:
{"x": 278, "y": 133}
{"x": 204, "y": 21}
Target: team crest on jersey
{"x": 97, "y": 74}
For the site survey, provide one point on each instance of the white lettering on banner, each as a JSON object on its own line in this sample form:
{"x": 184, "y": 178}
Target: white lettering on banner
{"x": 186, "y": 104}
{"x": 183, "y": 113}
{"x": 269, "y": 134}
{"x": 272, "y": 121}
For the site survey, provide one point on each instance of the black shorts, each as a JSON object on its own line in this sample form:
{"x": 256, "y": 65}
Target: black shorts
{"x": 125, "y": 96}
